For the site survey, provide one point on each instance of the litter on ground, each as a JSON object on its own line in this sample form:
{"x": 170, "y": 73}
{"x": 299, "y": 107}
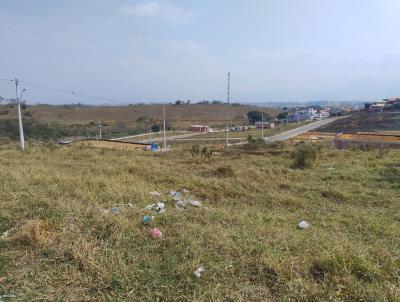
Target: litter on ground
{"x": 331, "y": 169}
{"x": 5, "y": 234}
{"x": 155, "y": 233}
{"x": 116, "y": 208}
{"x": 303, "y": 225}
{"x": 159, "y": 207}
{"x": 181, "y": 204}
{"x": 199, "y": 271}
{"x": 155, "y": 194}
{"x": 147, "y": 219}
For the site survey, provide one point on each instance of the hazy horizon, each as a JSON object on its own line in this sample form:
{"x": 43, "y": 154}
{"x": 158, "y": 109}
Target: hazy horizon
{"x": 161, "y": 51}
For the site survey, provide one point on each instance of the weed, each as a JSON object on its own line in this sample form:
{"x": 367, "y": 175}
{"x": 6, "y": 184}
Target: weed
{"x": 306, "y": 155}
{"x": 224, "y": 171}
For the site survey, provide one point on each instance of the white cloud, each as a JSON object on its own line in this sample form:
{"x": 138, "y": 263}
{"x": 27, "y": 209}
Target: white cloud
{"x": 166, "y": 11}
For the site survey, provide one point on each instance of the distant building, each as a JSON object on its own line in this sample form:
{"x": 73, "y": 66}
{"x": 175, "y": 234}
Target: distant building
{"x": 199, "y": 128}
{"x": 266, "y": 125}
{"x": 302, "y": 115}
{"x": 393, "y": 101}
{"x": 378, "y": 105}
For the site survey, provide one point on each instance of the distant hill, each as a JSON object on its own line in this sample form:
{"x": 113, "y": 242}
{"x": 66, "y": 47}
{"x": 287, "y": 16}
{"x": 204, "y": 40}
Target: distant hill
{"x": 134, "y": 114}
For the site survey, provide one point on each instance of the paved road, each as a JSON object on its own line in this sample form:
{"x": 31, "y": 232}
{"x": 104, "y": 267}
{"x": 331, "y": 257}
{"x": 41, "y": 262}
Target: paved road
{"x": 297, "y": 131}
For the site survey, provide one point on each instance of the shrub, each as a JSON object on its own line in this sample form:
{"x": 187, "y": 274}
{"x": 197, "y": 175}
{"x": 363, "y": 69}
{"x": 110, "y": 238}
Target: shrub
{"x": 155, "y": 128}
{"x": 203, "y": 153}
{"x": 195, "y": 151}
{"x": 224, "y": 171}
{"x": 306, "y": 155}
{"x": 254, "y": 143}
{"x": 206, "y": 153}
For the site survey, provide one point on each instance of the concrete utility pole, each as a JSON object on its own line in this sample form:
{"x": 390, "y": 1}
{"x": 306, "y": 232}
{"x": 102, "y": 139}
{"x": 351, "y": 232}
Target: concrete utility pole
{"x": 100, "y": 126}
{"x": 21, "y": 129}
{"x": 262, "y": 125}
{"x": 229, "y": 87}
{"x": 227, "y": 129}
{"x": 165, "y": 136}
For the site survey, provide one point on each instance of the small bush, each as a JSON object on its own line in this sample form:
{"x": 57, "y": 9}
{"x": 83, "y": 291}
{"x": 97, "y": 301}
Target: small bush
{"x": 224, "y": 171}
{"x": 200, "y": 153}
{"x": 195, "y": 151}
{"x": 206, "y": 153}
{"x": 382, "y": 153}
{"x": 306, "y": 155}
{"x": 254, "y": 143}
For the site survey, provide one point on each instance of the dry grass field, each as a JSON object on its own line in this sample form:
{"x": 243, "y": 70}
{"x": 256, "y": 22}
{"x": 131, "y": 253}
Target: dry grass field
{"x": 62, "y": 242}
{"x": 179, "y": 116}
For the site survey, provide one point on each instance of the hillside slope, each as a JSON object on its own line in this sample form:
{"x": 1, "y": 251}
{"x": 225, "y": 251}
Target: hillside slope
{"x": 64, "y": 243}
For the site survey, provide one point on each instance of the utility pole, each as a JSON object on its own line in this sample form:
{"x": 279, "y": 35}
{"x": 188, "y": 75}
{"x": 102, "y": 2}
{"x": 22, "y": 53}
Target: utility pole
{"x": 21, "y": 129}
{"x": 262, "y": 125}
{"x": 165, "y": 137}
{"x": 229, "y": 86}
{"x": 150, "y": 134}
{"x": 227, "y": 129}
{"x": 100, "y": 126}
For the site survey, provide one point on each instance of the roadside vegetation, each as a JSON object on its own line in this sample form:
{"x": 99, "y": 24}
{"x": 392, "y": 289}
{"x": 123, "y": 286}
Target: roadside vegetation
{"x": 62, "y": 243}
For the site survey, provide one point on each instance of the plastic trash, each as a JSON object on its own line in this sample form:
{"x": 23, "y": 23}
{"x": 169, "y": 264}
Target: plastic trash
{"x": 331, "y": 169}
{"x": 195, "y": 203}
{"x": 147, "y": 220}
{"x": 199, "y": 271}
{"x": 160, "y": 207}
{"x": 115, "y": 210}
{"x": 181, "y": 204}
{"x": 155, "y": 233}
{"x": 303, "y": 225}
{"x": 184, "y": 191}
{"x": 5, "y": 234}
{"x": 155, "y": 194}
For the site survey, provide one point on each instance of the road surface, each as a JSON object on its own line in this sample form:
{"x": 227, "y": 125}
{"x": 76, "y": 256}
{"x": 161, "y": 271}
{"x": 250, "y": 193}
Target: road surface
{"x": 297, "y": 131}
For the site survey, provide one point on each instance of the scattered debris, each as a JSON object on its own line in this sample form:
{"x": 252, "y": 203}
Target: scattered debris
{"x": 147, "y": 219}
{"x": 181, "y": 204}
{"x": 5, "y": 234}
{"x": 303, "y": 225}
{"x": 7, "y": 297}
{"x": 195, "y": 203}
{"x": 176, "y": 195}
{"x": 331, "y": 169}
{"x": 155, "y": 194}
{"x": 155, "y": 233}
{"x": 199, "y": 271}
{"x": 184, "y": 191}
{"x": 115, "y": 210}
{"x": 159, "y": 207}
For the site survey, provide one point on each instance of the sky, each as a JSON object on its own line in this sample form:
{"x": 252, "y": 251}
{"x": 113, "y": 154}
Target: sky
{"x": 159, "y": 51}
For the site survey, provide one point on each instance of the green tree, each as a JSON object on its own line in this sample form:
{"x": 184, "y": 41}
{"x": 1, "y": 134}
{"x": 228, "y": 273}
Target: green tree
{"x": 282, "y": 115}
{"x": 256, "y": 116}
{"x": 155, "y": 128}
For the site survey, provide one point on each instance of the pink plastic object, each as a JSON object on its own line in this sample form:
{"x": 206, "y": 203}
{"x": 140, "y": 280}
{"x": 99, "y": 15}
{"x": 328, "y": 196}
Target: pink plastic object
{"x": 155, "y": 233}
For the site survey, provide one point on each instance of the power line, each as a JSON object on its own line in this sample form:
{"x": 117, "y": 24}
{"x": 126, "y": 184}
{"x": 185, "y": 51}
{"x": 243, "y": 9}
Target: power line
{"x": 66, "y": 91}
